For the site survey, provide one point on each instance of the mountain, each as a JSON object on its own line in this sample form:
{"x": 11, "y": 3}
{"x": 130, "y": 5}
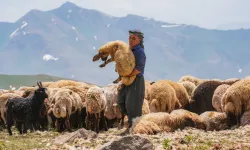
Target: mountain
{"x": 62, "y": 42}
{"x": 24, "y": 80}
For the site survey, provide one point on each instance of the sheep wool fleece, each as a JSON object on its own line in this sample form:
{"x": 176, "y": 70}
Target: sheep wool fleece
{"x": 131, "y": 98}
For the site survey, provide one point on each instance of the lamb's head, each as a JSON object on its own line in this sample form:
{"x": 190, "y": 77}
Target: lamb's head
{"x": 41, "y": 92}
{"x": 155, "y": 106}
{"x": 105, "y": 50}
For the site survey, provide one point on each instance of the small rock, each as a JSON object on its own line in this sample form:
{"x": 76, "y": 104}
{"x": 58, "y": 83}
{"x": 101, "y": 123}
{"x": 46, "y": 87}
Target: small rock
{"x": 81, "y": 133}
{"x": 128, "y": 143}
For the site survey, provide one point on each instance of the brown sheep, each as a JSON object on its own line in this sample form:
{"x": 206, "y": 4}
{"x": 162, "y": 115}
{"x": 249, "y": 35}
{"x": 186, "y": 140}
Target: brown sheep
{"x": 162, "y": 97}
{"x": 215, "y": 120}
{"x": 236, "y": 100}
{"x": 217, "y": 97}
{"x": 154, "y": 123}
{"x": 181, "y": 93}
{"x": 123, "y": 57}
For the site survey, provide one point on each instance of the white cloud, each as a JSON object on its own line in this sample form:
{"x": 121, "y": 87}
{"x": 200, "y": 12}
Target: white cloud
{"x": 209, "y": 14}
{"x": 48, "y": 57}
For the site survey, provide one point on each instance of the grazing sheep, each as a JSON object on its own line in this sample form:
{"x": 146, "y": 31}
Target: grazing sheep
{"x": 163, "y": 97}
{"x": 112, "y": 111}
{"x": 215, "y": 120}
{"x": 3, "y": 100}
{"x": 66, "y": 102}
{"x": 123, "y": 57}
{"x": 236, "y": 100}
{"x": 181, "y": 93}
{"x": 95, "y": 107}
{"x": 25, "y": 110}
{"x": 202, "y": 97}
{"x": 245, "y": 119}
{"x": 189, "y": 86}
{"x": 192, "y": 79}
{"x": 217, "y": 96}
{"x": 154, "y": 123}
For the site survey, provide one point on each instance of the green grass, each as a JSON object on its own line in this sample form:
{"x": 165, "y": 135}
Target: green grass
{"x": 24, "y": 80}
{"x": 28, "y": 141}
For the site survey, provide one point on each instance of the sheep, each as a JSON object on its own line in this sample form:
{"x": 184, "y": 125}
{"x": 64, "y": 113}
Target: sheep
{"x": 215, "y": 120}
{"x": 192, "y": 79}
{"x": 123, "y": 56}
{"x": 147, "y": 90}
{"x": 181, "y": 93}
{"x": 245, "y": 119}
{"x": 145, "y": 107}
{"x": 25, "y": 110}
{"x": 95, "y": 107}
{"x": 154, "y": 123}
{"x": 217, "y": 96}
{"x": 196, "y": 119}
{"x": 162, "y": 97}
{"x": 62, "y": 83}
{"x": 201, "y": 99}
{"x": 112, "y": 111}
{"x": 66, "y": 102}
{"x": 189, "y": 86}
{"x": 3, "y": 100}
{"x": 236, "y": 100}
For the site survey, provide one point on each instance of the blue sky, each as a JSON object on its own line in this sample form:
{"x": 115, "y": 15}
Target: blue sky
{"x": 204, "y": 13}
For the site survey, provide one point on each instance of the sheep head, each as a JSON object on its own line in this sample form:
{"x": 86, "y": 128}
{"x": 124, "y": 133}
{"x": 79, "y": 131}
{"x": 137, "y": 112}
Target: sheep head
{"x": 41, "y": 91}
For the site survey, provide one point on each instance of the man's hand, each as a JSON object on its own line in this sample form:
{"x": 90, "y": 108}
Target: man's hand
{"x": 134, "y": 73}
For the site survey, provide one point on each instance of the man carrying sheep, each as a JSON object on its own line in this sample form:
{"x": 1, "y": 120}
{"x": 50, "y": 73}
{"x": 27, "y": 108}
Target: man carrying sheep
{"x": 130, "y": 99}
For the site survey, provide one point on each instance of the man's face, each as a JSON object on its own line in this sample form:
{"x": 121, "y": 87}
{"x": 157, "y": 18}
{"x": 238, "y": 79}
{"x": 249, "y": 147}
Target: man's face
{"x": 133, "y": 40}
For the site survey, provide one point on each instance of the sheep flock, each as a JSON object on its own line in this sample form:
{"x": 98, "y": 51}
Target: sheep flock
{"x": 204, "y": 104}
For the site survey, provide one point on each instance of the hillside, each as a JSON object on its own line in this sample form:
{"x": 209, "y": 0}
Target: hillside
{"x": 24, "y": 80}
{"x": 62, "y": 42}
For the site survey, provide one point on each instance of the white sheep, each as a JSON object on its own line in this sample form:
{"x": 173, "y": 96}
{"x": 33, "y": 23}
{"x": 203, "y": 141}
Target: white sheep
{"x": 95, "y": 107}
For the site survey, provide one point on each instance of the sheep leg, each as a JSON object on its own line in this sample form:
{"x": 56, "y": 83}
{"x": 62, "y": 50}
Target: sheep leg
{"x": 57, "y": 125}
{"x": 2, "y": 114}
{"x": 118, "y": 79}
{"x": 24, "y": 127}
{"x": 97, "y": 115}
{"x": 103, "y": 121}
{"x": 78, "y": 113}
{"x": 19, "y": 127}
{"x": 87, "y": 121}
{"x": 67, "y": 123}
{"x": 106, "y": 62}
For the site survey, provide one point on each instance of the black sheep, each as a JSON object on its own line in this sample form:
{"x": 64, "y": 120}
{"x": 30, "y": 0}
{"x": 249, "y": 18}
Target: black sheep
{"x": 25, "y": 111}
{"x": 202, "y": 97}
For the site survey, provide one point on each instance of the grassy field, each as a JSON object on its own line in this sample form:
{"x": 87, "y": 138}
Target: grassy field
{"x": 24, "y": 80}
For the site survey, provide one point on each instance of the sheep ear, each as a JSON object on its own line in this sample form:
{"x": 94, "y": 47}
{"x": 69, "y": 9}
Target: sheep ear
{"x": 97, "y": 57}
{"x": 151, "y": 83}
{"x": 41, "y": 84}
{"x": 38, "y": 85}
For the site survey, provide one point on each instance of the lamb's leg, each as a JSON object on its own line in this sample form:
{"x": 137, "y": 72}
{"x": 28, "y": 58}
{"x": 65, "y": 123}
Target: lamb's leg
{"x": 118, "y": 79}
{"x": 58, "y": 125}
{"x": 106, "y": 62}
